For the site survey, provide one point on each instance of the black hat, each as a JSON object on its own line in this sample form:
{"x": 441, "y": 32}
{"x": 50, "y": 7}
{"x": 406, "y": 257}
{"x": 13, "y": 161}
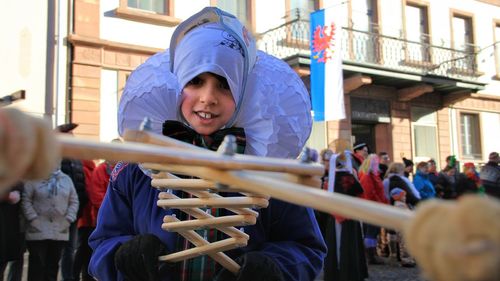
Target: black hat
{"x": 66, "y": 128}
{"x": 359, "y": 146}
{"x": 407, "y": 162}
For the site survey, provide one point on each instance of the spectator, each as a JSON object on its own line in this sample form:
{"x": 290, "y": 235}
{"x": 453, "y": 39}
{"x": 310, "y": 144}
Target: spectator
{"x": 433, "y": 174}
{"x": 490, "y": 175}
{"x": 85, "y": 224}
{"x": 422, "y": 182}
{"x": 96, "y": 191}
{"x": 74, "y": 168}
{"x": 398, "y": 196}
{"x": 49, "y": 206}
{"x": 321, "y": 217}
{"x": 446, "y": 183}
{"x": 345, "y": 260}
{"x": 408, "y": 167}
{"x": 395, "y": 179}
{"x": 12, "y": 240}
{"x": 373, "y": 190}
{"x": 360, "y": 153}
{"x": 468, "y": 181}
{"x": 384, "y": 163}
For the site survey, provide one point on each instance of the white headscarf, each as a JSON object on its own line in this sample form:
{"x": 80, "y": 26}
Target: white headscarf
{"x": 209, "y": 48}
{"x": 273, "y": 105}
{"x": 194, "y": 43}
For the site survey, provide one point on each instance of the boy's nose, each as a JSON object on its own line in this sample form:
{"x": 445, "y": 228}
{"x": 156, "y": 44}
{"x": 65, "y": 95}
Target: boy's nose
{"x": 208, "y": 96}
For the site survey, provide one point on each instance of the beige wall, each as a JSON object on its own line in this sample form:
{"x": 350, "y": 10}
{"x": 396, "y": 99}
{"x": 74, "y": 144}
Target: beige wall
{"x": 23, "y": 53}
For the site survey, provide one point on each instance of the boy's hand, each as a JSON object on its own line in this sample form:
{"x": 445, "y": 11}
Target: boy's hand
{"x": 254, "y": 266}
{"x": 137, "y": 259}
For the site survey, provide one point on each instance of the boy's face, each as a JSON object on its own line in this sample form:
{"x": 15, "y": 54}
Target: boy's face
{"x": 207, "y": 103}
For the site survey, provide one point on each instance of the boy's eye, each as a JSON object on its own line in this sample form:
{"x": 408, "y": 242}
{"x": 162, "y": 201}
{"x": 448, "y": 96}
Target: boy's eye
{"x": 194, "y": 81}
{"x": 223, "y": 84}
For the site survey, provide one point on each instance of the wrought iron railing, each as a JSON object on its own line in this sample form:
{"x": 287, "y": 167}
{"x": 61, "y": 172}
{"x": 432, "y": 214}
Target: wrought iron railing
{"x": 375, "y": 50}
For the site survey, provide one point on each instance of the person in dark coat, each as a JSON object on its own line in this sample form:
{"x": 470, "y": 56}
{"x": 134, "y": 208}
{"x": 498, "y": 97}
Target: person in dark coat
{"x": 12, "y": 240}
{"x": 360, "y": 153}
{"x": 322, "y": 217}
{"x": 446, "y": 183}
{"x": 433, "y": 174}
{"x": 345, "y": 260}
{"x": 408, "y": 167}
{"x": 384, "y": 163}
{"x": 74, "y": 168}
{"x": 490, "y": 175}
{"x": 468, "y": 182}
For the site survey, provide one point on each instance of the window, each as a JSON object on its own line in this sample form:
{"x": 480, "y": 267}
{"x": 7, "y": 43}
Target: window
{"x": 497, "y": 48}
{"x": 424, "y": 124}
{"x": 240, "y": 9}
{"x": 463, "y": 42}
{"x": 109, "y": 105}
{"x": 297, "y": 14}
{"x": 159, "y": 12}
{"x": 300, "y": 9}
{"x": 417, "y": 33}
{"x": 470, "y": 135}
{"x": 157, "y": 6}
{"x": 364, "y": 21}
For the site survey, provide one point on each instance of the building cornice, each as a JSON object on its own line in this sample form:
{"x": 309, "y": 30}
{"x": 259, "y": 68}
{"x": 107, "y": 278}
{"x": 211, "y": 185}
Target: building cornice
{"x": 111, "y": 45}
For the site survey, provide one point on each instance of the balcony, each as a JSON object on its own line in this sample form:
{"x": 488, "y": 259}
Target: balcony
{"x": 393, "y": 60}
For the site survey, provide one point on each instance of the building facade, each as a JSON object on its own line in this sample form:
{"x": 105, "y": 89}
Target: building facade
{"x": 421, "y": 77}
{"x": 34, "y": 57}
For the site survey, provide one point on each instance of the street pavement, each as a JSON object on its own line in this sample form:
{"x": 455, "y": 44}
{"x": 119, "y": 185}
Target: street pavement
{"x": 387, "y": 272}
{"x": 390, "y": 271}
{"x": 393, "y": 272}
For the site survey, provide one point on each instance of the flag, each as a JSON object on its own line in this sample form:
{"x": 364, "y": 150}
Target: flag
{"x": 327, "y": 89}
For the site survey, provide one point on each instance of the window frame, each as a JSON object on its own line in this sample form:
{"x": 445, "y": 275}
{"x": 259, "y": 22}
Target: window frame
{"x": 318, "y": 4}
{"x": 145, "y": 16}
{"x": 454, "y": 13}
{"x": 375, "y": 25}
{"x": 427, "y": 61}
{"x": 290, "y": 39}
{"x": 496, "y": 48}
{"x": 479, "y": 156}
{"x": 250, "y": 24}
{"x": 435, "y": 125}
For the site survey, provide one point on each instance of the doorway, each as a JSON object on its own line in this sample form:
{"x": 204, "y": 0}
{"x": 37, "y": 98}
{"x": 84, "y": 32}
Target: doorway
{"x": 364, "y": 133}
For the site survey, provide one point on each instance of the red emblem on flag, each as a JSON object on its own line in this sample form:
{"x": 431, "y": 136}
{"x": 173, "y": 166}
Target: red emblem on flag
{"x": 323, "y": 42}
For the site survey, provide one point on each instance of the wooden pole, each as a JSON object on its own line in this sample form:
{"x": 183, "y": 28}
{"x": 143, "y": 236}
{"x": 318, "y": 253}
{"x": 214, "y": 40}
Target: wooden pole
{"x": 138, "y": 153}
{"x": 343, "y": 205}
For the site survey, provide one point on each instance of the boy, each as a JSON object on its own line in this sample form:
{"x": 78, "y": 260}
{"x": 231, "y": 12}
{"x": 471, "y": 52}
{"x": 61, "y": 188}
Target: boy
{"x": 215, "y": 81}
{"x": 399, "y": 197}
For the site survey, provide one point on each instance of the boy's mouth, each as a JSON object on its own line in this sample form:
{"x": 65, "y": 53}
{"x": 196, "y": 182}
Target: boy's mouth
{"x": 205, "y": 115}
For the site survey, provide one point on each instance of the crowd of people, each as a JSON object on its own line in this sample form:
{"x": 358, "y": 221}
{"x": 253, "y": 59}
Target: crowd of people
{"x": 355, "y": 171}
{"x": 52, "y": 219}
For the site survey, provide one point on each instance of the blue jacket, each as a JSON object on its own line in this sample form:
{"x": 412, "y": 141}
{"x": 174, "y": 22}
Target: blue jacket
{"x": 287, "y": 233}
{"x": 424, "y": 186}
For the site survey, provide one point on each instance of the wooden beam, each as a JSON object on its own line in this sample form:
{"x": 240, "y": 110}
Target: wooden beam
{"x": 412, "y": 92}
{"x": 454, "y": 97}
{"x": 354, "y": 82}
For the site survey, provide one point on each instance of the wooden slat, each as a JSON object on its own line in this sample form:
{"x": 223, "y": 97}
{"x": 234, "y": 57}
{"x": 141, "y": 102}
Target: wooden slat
{"x": 219, "y": 246}
{"x": 136, "y": 152}
{"x": 225, "y": 221}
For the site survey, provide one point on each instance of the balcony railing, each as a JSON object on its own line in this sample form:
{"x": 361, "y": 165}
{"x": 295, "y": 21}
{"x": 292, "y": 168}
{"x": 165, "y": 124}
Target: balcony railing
{"x": 375, "y": 50}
